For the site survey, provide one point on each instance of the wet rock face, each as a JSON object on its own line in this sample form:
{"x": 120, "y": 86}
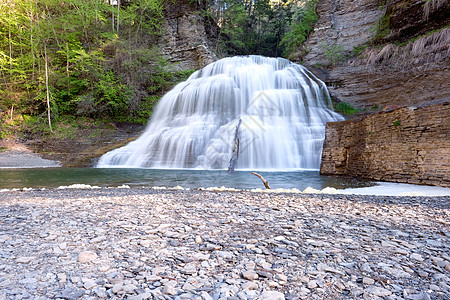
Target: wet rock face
{"x": 408, "y": 19}
{"x": 186, "y": 37}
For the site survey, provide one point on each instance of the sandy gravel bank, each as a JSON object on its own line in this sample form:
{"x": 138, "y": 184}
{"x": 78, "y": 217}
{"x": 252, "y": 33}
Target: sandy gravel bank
{"x": 25, "y": 159}
{"x": 146, "y": 244}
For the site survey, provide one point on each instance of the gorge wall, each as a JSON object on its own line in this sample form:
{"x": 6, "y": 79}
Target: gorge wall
{"x": 408, "y": 145}
{"x": 387, "y": 54}
{"x": 377, "y": 65}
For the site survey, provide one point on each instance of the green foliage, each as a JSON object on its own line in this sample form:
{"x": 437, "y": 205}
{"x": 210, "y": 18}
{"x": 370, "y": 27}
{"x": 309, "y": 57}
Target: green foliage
{"x": 382, "y": 28}
{"x": 306, "y": 17}
{"x": 396, "y": 123}
{"x": 345, "y": 108}
{"x": 67, "y": 127}
{"x": 357, "y": 50}
{"x": 335, "y": 53}
{"x": 6, "y": 126}
{"x": 100, "y": 60}
{"x": 262, "y": 26}
{"x": 141, "y": 115}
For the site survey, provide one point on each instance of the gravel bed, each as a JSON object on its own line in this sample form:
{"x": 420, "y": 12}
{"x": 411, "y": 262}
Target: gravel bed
{"x": 25, "y": 159}
{"x": 147, "y": 244}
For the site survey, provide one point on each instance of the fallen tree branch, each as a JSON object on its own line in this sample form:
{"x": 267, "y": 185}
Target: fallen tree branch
{"x": 266, "y": 183}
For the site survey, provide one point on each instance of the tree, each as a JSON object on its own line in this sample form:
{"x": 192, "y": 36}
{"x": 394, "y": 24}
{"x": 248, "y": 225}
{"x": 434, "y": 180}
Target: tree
{"x": 55, "y": 55}
{"x": 255, "y": 26}
{"x": 303, "y": 25}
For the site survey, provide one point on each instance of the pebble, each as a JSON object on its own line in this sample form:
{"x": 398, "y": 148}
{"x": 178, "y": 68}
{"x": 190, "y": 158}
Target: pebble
{"x": 368, "y": 281}
{"x": 250, "y": 275}
{"x": 146, "y": 244}
{"x": 378, "y": 291}
{"x": 25, "y": 259}
{"x": 312, "y": 284}
{"x": 87, "y": 256}
{"x": 417, "y": 257}
{"x": 249, "y": 285}
{"x": 169, "y": 288}
{"x": 189, "y": 269}
{"x": 272, "y": 295}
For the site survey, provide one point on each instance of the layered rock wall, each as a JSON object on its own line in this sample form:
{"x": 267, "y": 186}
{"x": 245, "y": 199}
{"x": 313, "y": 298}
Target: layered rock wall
{"x": 408, "y": 145}
{"x": 186, "y": 37}
{"x": 407, "y": 19}
{"x": 369, "y": 88}
{"x": 385, "y": 73}
{"x": 345, "y": 23}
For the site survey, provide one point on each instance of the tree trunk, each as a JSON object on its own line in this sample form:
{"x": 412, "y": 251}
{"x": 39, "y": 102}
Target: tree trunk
{"x": 235, "y": 154}
{"x": 31, "y": 38}
{"x": 9, "y": 38}
{"x": 113, "y": 26}
{"x": 118, "y": 15}
{"x": 67, "y": 59}
{"x": 46, "y": 86}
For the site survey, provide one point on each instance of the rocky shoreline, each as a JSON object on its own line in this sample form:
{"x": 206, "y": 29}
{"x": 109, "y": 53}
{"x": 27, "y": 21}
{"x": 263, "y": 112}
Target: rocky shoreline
{"x": 147, "y": 244}
{"x": 25, "y": 159}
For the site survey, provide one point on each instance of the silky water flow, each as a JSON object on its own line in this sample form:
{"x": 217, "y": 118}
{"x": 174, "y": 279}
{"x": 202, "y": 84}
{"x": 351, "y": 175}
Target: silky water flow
{"x": 282, "y": 109}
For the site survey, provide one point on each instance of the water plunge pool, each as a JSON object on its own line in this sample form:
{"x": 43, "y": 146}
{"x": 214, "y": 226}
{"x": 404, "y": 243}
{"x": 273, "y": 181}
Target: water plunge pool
{"x": 137, "y": 177}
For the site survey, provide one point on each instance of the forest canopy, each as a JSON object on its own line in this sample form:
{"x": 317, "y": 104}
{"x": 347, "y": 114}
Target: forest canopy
{"x": 264, "y": 27}
{"x": 80, "y": 57}
{"x": 97, "y": 59}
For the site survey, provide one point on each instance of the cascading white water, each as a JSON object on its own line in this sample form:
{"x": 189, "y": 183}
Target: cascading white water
{"x": 283, "y": 108}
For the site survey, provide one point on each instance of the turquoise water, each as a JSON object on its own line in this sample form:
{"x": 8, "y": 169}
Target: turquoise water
{"x": 55, "y": 177}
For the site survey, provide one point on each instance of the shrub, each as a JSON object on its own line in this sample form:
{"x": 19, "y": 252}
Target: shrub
{"x": 335, "y": 53}
{"x": 345, "y": 108}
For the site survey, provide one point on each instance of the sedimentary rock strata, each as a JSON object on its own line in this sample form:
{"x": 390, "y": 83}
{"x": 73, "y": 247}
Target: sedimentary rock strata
{"x": 409, "y": 145}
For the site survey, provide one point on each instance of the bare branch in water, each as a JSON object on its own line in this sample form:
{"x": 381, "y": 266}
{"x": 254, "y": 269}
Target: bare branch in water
{"x": 266, "y": 183}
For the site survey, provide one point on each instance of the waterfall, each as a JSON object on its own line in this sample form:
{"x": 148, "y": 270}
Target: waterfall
{"x": 283, "y": 108}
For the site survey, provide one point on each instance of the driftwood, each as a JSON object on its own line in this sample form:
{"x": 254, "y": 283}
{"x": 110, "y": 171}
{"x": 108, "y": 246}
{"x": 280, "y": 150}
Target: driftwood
{"x": 235, "y": 155}
{"x": 266, "y": 183}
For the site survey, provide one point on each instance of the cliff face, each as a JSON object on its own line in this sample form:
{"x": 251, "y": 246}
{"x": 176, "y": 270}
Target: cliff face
{"x": 403, "y": 60}
{"x": 343, "y": 23}
{"x": 186, "y": 39}
{"x": 408, "y": 19}
{"x": 385, "y": 73}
